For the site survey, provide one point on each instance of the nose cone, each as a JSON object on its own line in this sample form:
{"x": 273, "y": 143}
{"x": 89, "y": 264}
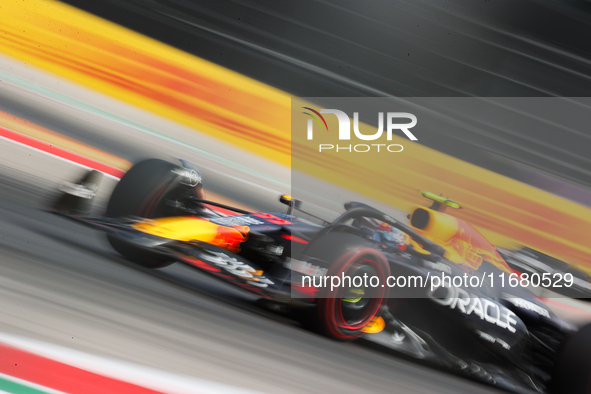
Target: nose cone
{"x": 195, "y": 229}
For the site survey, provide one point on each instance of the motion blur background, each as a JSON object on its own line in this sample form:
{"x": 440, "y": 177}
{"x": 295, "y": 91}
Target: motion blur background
{"x": 407, "y": 49}
{"x": 212, "y": 81}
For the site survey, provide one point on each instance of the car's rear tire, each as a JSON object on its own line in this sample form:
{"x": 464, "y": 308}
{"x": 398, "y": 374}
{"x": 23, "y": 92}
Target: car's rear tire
{"x": 141, "y": 193}
{"x": 572, "y": 369}
{"x": 339, "y": 313}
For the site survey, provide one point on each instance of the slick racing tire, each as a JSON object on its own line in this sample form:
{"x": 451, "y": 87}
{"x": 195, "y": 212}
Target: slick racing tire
{"x": 572, "y": 369}
{"x": 343, "y": 312}
{"x": 141, "y": 193}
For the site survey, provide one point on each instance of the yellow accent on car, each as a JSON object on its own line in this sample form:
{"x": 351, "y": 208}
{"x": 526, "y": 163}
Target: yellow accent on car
{"x": 439, "y": 226}
{"x": 195, "y": 229}
{"x": 377, "y": 324}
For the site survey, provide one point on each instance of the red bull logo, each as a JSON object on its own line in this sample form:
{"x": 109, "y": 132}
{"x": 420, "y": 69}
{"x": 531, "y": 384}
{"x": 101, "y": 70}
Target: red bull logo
{"x": 230, "y": 238}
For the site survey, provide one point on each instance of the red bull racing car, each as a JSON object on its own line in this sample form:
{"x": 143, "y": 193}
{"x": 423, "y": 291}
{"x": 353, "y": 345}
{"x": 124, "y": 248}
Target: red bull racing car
{"x": 434, "y": 289}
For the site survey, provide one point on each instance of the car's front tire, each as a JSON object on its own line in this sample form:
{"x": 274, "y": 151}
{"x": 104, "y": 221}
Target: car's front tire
{"x": 141, "y": 192}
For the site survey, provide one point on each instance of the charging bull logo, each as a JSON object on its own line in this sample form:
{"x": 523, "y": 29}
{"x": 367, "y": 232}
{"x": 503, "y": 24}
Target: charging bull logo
{"x": 230, "y": 238}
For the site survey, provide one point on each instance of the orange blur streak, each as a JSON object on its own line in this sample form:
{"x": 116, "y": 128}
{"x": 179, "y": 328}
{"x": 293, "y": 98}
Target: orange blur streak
{"x": 149, "y": 74}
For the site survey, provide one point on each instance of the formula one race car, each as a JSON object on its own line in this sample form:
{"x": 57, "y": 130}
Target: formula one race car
{"x": 437, "y": 289}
